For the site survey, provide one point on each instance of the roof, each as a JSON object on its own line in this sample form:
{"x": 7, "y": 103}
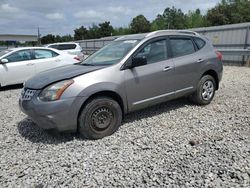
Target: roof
{"x": 157, "y": 33}
{"x": 12, "y": 37}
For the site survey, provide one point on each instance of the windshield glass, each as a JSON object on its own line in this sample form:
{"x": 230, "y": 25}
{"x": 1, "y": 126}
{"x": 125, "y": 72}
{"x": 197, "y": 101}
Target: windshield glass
{"x": 2, "y": 53}
{"x": 112, "y": 53}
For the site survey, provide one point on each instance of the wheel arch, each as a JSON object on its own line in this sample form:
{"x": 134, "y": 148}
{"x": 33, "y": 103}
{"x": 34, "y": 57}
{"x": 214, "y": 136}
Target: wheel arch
{"x": 106, "y": 93}
{"x": 214, "y": 74}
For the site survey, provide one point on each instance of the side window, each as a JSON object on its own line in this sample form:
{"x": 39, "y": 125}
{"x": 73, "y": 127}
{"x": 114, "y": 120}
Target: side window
{"x": 43, "y": 54}
{"x": 181, "y": 46}
{"x": 154, "y": 52}
{"x": 54, "y": 46}
{"x": 23, "y": 55}
{"x": 66, "y": 46}
{"x": 199, "y": 42}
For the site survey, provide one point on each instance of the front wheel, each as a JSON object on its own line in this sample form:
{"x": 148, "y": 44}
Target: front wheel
{"x": 100, "y": 117}
{"x": 205, "y": 91}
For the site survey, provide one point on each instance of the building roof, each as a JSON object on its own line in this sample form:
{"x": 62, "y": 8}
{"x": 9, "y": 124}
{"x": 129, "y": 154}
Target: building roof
{"x": 13, "y": 37}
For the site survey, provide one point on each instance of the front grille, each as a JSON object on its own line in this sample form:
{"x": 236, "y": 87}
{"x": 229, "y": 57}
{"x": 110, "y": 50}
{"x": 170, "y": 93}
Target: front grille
{"x": 27, "y": 94}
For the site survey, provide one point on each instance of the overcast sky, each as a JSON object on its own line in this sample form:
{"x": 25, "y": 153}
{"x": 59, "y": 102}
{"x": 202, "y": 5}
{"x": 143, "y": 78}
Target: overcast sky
{"x": 63, "y": 16}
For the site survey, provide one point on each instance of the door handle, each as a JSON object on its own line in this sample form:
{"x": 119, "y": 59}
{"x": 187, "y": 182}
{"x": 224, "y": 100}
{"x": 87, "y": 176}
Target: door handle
{"x": 30, "y": 64}
{"x": 168, "y": 68}
{"x": 200, "y": 60}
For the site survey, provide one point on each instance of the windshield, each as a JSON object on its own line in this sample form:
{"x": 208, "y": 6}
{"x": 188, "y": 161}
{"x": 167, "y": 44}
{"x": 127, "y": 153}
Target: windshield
{"x": 2, "y": 53}
{"x": 112, "y": 53}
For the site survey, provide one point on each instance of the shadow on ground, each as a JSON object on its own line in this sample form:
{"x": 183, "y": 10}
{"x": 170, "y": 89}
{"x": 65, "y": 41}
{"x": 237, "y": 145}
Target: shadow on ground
{"x": 33, "y": 133}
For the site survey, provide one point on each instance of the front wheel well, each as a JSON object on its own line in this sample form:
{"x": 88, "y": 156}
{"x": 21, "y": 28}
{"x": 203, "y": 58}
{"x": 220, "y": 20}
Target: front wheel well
{"x": 111, "y": 94}
{"x": 214, "y": 75}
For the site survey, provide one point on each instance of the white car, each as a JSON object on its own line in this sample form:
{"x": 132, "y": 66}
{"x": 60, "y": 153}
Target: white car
{"x": 70, "y": 47}
{"x": 19, "y": 64}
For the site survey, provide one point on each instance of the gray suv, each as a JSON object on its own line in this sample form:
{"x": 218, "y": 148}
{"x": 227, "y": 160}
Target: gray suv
{"x": 131, "y": 73}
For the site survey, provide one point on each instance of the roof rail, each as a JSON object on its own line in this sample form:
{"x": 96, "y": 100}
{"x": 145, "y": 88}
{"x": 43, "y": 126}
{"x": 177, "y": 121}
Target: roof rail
{"x": 172, "y": 31}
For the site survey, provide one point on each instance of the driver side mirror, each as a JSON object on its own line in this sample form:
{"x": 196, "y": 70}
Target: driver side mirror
{"x": 138, "y": 61}
{"x": 3, "y": 61}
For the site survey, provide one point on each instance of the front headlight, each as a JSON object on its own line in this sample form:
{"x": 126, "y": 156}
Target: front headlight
{"x": 54, "y": 91}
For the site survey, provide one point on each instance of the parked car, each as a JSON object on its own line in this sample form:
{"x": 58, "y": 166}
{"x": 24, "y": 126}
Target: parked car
{"x": 70, "y": 47}
{"x": 131, "y": 73}
{"x": 19, "y": 64}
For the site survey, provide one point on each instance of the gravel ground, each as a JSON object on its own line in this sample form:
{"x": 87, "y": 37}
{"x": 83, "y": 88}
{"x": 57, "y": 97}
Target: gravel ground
{"x": 171, "y": 145}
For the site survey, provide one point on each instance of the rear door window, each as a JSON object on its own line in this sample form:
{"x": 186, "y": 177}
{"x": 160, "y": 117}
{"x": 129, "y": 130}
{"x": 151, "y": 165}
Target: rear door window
{"x": 181, "y": 46}
{"x": 44, "y": 54}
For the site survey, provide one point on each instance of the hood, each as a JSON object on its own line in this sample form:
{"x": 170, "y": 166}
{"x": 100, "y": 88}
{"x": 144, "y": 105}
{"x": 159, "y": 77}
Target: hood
{"x": 61, "y": 73}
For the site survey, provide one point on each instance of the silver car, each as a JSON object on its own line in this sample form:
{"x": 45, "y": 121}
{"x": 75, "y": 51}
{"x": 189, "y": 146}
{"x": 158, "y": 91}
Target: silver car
{"x": 131, "y": 73}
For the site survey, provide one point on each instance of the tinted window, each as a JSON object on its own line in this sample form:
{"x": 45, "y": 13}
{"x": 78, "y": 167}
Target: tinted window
{"x": 23, "y": 55}
{"x": 155, "y": 51}
{"x": 42, "y": 54}
{"x": 199, "y": 42}
{"x": 181, "y": 46}
{"x": 54, "y": 46}
{"x": 66, "y": 46}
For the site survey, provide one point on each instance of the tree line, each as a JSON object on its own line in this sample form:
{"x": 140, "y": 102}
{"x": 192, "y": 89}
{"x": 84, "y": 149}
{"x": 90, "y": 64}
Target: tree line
{"x": 225, "y": 12}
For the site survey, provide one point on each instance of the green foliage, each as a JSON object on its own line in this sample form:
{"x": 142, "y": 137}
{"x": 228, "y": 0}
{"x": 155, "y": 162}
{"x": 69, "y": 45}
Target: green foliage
{"x": 159, "y": 23}
{"x": 105, "y": 29}
{"x": 53, "y": 39}
{"x": 80, "y": 33}
{"x": 174, "y": 18}
{"x": 229, "y": 12}
{"x": 140, "y": 24}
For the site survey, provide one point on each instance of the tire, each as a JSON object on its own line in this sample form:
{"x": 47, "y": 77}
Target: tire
{"x": 99, "y": 118}
{"x": 205, "y": 91}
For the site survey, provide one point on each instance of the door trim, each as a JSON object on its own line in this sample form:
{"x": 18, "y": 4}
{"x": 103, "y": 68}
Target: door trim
{"x": 161, "y": 96}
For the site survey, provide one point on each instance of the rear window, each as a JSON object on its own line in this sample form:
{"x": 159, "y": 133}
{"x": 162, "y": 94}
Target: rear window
{"x": 181, "y": 46}
{"x": 199, "y": 42}
{"x": 66, "y": 46}
{"x": 63, "y": 46}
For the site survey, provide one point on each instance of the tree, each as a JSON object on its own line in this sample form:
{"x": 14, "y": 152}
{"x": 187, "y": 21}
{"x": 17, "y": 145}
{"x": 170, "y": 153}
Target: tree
{"x": 80, "y": 33}
{"x": 67, "y": 38}
{"x": 175, "y": 18}
{"x": 195, "y": 19}
{"x": 105, "y": 29}
{"x": 48, "y": 39}
{"x": 159, "y": 23}
{"x": 140, "y": 24}
{"x": 229, "y": 12}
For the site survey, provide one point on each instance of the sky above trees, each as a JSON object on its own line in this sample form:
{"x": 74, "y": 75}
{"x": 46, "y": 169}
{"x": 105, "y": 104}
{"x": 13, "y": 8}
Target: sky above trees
{"x": 63, "y": 16}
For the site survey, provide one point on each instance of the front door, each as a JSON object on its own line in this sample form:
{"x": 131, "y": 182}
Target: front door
{"x": 152, "y": 83}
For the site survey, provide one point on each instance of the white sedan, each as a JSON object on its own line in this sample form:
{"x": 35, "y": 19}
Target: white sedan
{"x": 19, "y": 64}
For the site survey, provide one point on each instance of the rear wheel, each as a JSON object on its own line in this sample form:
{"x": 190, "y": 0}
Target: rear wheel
{"x": 100, "y": 117}
{"x": 205, "y": 91}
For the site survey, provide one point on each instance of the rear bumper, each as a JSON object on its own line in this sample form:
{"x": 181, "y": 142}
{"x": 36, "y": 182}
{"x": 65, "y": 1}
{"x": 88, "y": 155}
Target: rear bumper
{"x": 61, "y": 115}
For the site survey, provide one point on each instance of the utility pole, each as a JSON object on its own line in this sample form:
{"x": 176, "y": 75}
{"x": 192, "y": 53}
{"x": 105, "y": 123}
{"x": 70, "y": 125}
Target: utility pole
{"x": 38, "y": 36}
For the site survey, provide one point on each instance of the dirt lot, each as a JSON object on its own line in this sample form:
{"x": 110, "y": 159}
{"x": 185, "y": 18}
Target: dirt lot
{"x": 153, "y": 147}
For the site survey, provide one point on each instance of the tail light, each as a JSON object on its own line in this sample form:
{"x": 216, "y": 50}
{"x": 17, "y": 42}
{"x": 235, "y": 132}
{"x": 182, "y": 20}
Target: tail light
{"x": 219, "y": 55}
{"x": 77, "y": 58}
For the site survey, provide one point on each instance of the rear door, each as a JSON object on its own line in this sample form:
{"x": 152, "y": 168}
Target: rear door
{"x": 186, "y": 62}
{"x": 19, "y": 68}
{"x": 152, "y": 83}
{"x": 46, "y": 59}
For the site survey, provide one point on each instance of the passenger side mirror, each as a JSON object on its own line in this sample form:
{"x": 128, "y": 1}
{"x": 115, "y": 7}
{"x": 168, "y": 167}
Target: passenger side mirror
{"x": 3, "y": 61}
{"x": 138, "y": 61}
